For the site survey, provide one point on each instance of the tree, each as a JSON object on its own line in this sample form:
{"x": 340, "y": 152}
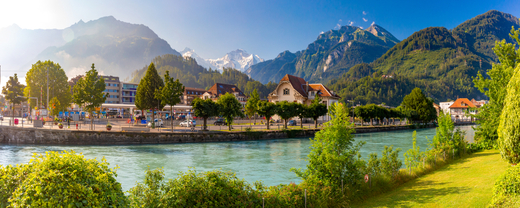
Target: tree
{"x": 54, "y": 103}
{"x": 301, "y": 111}
{"x": 205, "y": 109}
{"x": 509, "y": 127}
{"x": 267, "y": 109}
{"x": 229, "y": 108}
{"x": 36, "y": 79}
{"x": 12, "y": 92}
{"x": 252, "y": 105}
{"x": 417, "y": 101}
{"x": 89, "y": 92}
{"x": 170, "y": 94}
{"x": 145, "y": 97}
{"x": 333, "y": 155}
{"x": 499, "y": 75}
{"x": 317, "y": 109}
{"x": 286, "y": 110}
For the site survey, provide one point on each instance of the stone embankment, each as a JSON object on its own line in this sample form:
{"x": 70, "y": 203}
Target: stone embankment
{"x": 38, "y": 136}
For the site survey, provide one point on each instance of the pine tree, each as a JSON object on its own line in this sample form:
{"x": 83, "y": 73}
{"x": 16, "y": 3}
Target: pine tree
{"x": 12, "y": 91}
{"x": 170, "y": 94}
{"x": 145, "y": 97}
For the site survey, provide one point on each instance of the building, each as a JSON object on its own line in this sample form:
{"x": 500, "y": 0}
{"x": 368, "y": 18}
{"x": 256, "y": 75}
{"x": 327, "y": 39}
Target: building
{"x": 112, "y": 86}
{"x": 128, "y": 91}
{"x": 219, "y": 89}
{"x": 191, "y": 93}
{"x": 296, "y": 89}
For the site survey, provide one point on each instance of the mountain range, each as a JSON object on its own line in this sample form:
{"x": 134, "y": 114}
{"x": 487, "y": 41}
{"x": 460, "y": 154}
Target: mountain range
{"x": 238, "y": 59}
{"x": 332, "y": 54}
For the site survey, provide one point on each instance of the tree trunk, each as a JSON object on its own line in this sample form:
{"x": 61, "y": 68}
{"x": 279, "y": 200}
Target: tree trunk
{"x": 229, "y": 125}
{"x": 91, "y": 120}
{"x": 205, "y": 123}
{"x": 254, "y": 117}
{"x": 12, "y": 115}
{"x": 267, "y": 122}
{"x": 301, "y": 122}
{"x": 315, "y": 123}
{"x": 171, "y": 116}
{"x": 285, "y": 123}
{"x": 250, "y": 122}
{"x": 153, "y": 118}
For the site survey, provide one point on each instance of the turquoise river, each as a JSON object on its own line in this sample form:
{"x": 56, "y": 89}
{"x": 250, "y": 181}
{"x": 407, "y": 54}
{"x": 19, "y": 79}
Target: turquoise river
{"x": 268, "y": 161}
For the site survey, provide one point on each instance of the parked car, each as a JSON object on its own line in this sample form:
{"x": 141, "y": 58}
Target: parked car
{"x": 158, "y": 123}
{"x": 188, "y": 123}
{"x": 220, "y": 122}
{"x": 140, "y": 117}
{"x": 291, "y": 123}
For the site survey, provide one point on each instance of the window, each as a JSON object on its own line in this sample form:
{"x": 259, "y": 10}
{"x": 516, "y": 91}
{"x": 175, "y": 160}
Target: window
{"x": 286, "y": 91}
{"x": 312, "y": 93}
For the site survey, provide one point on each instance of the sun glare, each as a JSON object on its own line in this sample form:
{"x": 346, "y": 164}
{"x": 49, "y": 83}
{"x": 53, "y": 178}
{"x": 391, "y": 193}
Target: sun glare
{"x": 31, "y": 14}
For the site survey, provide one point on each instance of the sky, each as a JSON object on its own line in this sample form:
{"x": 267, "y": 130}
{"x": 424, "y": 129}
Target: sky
{"x": 268, "y": 27}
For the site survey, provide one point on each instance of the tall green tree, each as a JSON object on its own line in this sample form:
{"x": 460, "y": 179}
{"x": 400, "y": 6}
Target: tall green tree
{"x": 267, "y": 109}
{"x": 230, "y": 108}
{"x": 12, "y": 92}
{"x": 36, "y": 79}
{"x": 252, "y": 105}
{"x": 301, "y": 111}
{"x": 492, "y": 86}
{"x": 423, "y": 107}
{"x": 145, "y": 97}
{"x": 170, "y": 94}
{"x": 317, "y": 109}
{"x": 88, "y": 92}
{"x": 509, "y": 127}
{"x": 54, "y": 106}
{"x": 286, "y": 111}
{"x": 205, "y": 109}
{"x": 333, "y": 156}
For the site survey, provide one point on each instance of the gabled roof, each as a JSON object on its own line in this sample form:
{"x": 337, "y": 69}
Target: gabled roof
{"x": 322, "y": 90}
{"x": 219, "y": 89}
{"x": 297, "y": 83}
{"x": 462, "y": 103}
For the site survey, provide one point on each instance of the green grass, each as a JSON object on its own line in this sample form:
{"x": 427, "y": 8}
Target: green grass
{"x": 467, "y": 182}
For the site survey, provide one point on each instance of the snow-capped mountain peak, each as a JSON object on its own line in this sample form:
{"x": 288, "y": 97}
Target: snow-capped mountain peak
{"x": 238, "y": 59}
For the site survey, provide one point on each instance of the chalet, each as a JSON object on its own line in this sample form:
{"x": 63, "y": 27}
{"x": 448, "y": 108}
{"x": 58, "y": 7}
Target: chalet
{"x": 191, "y": 93}
{"x": 296, "y": 89}
{"x": 219, "y": 89}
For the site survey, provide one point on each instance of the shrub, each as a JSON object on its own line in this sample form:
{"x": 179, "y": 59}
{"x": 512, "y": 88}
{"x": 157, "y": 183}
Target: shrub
{"x": 191, "y": 189}
{"x": 508, "y": 129}
{"x": 507, "y": 188}
{"x": 62, "y": 179}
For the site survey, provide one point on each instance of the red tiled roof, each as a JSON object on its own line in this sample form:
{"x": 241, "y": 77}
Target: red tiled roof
{"x": 219, "y": 89}
{"x": 462, "y": 103}
{"x": 323, "y": 91}
{"x": 297, "y": 83}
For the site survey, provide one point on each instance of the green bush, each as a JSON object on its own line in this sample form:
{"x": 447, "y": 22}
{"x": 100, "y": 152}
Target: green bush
{"x": 507, "y": 187}
{"x": 508, "y": 129}
{"x": 191, "y": 189}
{"x": 61, "y": 179}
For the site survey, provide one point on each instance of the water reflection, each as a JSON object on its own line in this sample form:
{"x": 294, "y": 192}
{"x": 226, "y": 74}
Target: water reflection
{"x": 268, "y": 161}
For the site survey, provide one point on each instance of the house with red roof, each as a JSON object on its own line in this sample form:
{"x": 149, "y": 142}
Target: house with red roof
{"x": 219, "y": 89}
{"x": 296, "y": 89}
{"x": 460, "y": 109}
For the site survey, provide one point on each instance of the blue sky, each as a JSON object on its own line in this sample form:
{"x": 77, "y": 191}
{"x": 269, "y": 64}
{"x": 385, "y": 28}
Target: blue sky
{"x": 213, "y": 28}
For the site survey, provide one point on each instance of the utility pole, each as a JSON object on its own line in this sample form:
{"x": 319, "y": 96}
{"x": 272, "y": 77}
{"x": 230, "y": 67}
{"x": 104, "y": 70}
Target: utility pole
{"x": 47, "y": 91}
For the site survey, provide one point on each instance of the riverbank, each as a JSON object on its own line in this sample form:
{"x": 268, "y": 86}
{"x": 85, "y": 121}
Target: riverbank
{"x": 40, "y": 136}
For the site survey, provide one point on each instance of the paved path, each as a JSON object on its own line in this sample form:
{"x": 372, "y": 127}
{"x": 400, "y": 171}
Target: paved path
{"x": 466, "y": 183}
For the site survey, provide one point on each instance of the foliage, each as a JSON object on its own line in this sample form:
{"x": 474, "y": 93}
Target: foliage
{"x": 145, "y": 97}
{"x": 230, "y": 108}
{"x": 413, "y": 156}
{"x": 191, "y": 189}
{"x": 252, "y": 104}
{"x": 171, "y": 93}
{"x": 317, "y": 109}
{"x": 205, "y": 109}
{"x": 13, "y": 90}
{"x": 54, "y": 103}
{"x": 36, "y": 79}
{"x": 421, "y": 107}
{"x": 267, "y": 109}
{"x": 507, "y": 186}
{"x": 88, "y": 92}
{"x": 493, "y": 86}
{"x": 286, "y": 110}
{"x": 60, "y": 179}
{"x": 333, "y": 157}
{"x": 302, "y": 111}
{"x": 508, "y": 129}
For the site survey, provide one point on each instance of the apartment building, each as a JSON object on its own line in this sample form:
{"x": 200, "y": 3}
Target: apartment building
{"x": 113, "y": 87}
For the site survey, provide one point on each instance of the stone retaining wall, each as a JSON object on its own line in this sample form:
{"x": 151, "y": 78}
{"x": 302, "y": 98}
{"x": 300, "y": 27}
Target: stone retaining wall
{"x": 36, "y": 136}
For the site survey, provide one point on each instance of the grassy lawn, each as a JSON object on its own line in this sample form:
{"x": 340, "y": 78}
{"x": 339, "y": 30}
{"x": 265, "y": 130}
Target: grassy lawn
{"x": 467, "y": 182}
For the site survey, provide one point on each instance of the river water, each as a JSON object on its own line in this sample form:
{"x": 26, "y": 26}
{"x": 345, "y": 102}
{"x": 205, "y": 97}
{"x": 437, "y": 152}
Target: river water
{"x": 268, "y": 160}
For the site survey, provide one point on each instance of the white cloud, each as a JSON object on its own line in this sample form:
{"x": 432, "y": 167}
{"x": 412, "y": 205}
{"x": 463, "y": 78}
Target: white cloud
{"x": 350, "y": 23}
{"x": 365, "y": 20}
{"x": 373, "y": 23}
{"x": 321, "y": 32}
{"x": 361, "y": 27}
{"x": 364, "y": 13}
{"x": 338, "y": 25}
